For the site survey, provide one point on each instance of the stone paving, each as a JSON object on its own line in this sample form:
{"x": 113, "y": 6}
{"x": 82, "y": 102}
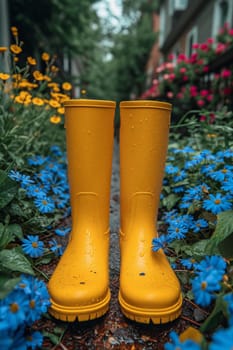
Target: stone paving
{"x": 114, "y": 259}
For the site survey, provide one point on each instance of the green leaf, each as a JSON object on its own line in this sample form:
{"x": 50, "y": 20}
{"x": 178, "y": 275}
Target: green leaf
{"x": 225, "y": 247}
{"x": 201, "y": 249}
{"x": 170, "y": 201}
{"x": 13, "y": 260}
{"x": 223, "y": 235}
{"x": 216, "y": 316}
{"x": 5, "y": 237}
{"x": 15, "y": 230}
{"x": 8, "y": 189}
{"x": 7, "y": 284}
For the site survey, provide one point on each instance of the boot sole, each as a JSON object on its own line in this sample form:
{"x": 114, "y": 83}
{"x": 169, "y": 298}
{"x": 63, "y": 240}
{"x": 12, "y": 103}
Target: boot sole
{"x": 158, "y": 316}
{"x": 81, "y": 313}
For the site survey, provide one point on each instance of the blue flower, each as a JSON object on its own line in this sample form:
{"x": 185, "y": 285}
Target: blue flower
{"x": 217, "y": 203}
{"x": 188, "y": 263}
{"x": 204, "y": 285}
{"x": 222, "y": 339}
{"x": 177, "y": 344}
{"x": 213, "y": 263}
{"x": 160, "y": 242}
{"x": 178, "y": 228}
{"x": 55, "y": 247}
{"x": 199, "y": 224}
{"x": 34, "y": 340}
{"x": 37, "y": 160}
{"x": 35, "y": 191}
{"x": 229, "y": 300}
{"x": 180, "y": 176}
{"x": 56, "y": 150}
{"x": 171, "y": 170}
{"x": 178, "y": 189}
{"x": 15, "y": 175}
{"x": 33, "y": 246}
{"x": 26, "y": 180}
{"x": 45, "y": 205}
{"x": 13, "y": 310}
{"x": 207, "y": 168}
{"x": 62, "y": 231}
{"x": 193, "y": 194}
{"x": 184, "y": 151}
{"x": 222, "y": 174}
{"x": 227, "y": 185}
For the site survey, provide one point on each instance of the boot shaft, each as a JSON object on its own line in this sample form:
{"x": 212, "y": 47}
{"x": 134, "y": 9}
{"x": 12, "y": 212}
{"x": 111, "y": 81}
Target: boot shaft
{"x": 89, "y": 139}
{"x": 144, "y": 132}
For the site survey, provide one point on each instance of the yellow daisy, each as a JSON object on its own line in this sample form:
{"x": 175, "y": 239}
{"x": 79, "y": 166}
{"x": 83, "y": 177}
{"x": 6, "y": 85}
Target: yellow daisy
{"x": 16, "y": 49}
{"x": 55, "y": 119}
{"x": 66, "y": 86}
{"x": 4, "y": 76}
{"x": 45, "y": 56}
{"x": 31, "y": 61}
{"x": 37, "y": 101}
{"x": 53, "y": 103}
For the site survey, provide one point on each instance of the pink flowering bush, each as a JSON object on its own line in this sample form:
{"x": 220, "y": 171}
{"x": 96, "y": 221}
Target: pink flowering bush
{"x": 195, "y": 82}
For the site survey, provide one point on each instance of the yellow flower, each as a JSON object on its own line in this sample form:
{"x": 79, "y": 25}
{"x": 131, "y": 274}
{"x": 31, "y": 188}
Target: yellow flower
{"x": 47, "y": 78}
{"x": 16, "y": 59}
{"x": 54, "y": 69}
{"x": 45, "y": 56}
{"x": 55, "y": 119}
{"x": 14, "y": 31}
{"x": 83, "y": 91}
{"x": 37, "y": 101}
{"x": 3, "y": 49}
{"x": 31, "y": 61}
{"x": 61, "y": 110}
{"x": 38, "y": 75}
{"x": 19, "y": 99}
{"x": 16, "y": 49}
{"x": 66, "y": 86}
{"x": 4, "y": 76}
{"x": 53, "y": 103}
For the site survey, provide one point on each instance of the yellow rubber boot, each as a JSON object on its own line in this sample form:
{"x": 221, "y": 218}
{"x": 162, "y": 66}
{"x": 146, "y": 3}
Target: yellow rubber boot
{"x": 79, "y": 287}
{"x": 149, "y": 289}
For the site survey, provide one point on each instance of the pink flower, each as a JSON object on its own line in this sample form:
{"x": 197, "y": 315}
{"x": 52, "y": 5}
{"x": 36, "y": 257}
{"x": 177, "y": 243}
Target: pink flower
{"x": 202, "y": 118}
{"x": 220, "y": 48}
{"x": 180, "y": 95}
{"x": 230, "y": 32}
{"x": 204, "y": 47}
{"x": 209, "y": 97}
{"x": 170, "y": 94}
{"x": 185, "y": 78}
{"x": 200, "y": 103}
{"x": 183, "y": 70}
{"x": 166, "y": 76}
{"x": 172, "y": 76}
{"x": 204, "y": 92}
{"x": 226, "y": 73}
{"x": 169, "y": 65}
{"x": 210, "y": 40}
{"x": 195, "y": 46}
{"x": 171, "y": 56}
{"x": 206, "y": 69}
{"x": 193, "y": 91}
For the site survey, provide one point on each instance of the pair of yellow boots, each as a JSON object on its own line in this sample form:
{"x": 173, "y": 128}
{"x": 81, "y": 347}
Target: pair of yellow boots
{"x": 79, "y": 287}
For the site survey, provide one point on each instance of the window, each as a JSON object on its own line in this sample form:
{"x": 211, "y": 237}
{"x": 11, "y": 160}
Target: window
{"x": 162, "y": 26}
{"x": 223, "y": 11}
{"x": 191, "y": 39}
